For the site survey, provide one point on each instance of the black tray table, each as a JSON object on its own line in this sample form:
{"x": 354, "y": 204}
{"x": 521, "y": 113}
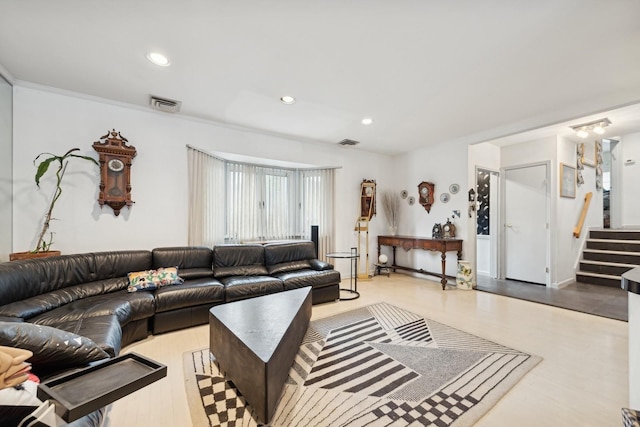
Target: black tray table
{"x": 82, "y": 392}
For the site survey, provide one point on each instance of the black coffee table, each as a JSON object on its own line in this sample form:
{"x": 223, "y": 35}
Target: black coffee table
{"x": 255, "y": 342}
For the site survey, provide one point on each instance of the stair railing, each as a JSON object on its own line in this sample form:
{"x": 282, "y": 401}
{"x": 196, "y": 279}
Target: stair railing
{"x": 583, "y": 215}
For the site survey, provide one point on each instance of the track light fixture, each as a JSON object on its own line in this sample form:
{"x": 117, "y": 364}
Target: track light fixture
{"x": 597, "y": 127}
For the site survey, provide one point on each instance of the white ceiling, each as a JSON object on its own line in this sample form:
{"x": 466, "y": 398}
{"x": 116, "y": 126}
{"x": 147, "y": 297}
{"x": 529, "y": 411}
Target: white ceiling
{"x": 426, "y": 71}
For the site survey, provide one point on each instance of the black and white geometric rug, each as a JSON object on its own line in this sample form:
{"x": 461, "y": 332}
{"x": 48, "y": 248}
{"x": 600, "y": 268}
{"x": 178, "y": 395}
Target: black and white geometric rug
{"x": 375, "y": 366}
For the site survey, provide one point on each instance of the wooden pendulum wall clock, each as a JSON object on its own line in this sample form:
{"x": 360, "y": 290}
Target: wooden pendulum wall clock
{"x": 425, "y": 194}
{"x": 115, "y": 170}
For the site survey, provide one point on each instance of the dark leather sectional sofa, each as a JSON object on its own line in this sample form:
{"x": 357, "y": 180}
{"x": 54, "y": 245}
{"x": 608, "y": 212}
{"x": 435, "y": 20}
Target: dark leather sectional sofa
{"x": 62, "y": 298}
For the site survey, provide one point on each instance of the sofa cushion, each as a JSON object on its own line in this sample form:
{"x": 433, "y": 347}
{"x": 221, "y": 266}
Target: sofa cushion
{"x": 238, "y": 260}
{"x": 289, "y": 256}
{"x": 288, "y": 266}
{"x": 183, "y": 257}
{"x": 42, "y": 303}
{"x": 191, "y": 293}
{"x": 302, "y": 278}
{"x": 126, "y": 306}
{"x": 105, "y": 331}
{"x": 276, "y": 253}
{"x": 20, "y": 280}
{"x": 196, "y": 273}
{"x": 153, "y": 279}
{"x": 52, "y": 348}
{"x": 241, "y": 287}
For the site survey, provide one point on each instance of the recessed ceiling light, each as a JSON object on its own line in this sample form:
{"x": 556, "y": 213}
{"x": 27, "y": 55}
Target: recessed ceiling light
{"x": 367, "y": 121}
{"x": 288, "y": 100}
{"x": 158, "y": 59}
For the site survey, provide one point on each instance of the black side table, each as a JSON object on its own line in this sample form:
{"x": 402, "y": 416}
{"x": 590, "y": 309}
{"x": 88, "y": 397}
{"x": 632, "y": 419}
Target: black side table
{"x": 353, "y": 279}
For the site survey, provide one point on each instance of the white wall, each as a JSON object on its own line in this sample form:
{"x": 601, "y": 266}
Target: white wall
{"x": 5, "y": 169}
{"x": 442, "y": 164}
{"x": 630, "y": 179}
{"x": 51, "y": 121}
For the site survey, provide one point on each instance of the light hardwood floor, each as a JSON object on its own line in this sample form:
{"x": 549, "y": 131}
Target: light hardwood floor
{"x": 581, "y": 381}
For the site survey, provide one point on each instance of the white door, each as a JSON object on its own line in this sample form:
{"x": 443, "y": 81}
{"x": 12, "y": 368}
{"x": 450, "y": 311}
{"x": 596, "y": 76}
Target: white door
{"x": 525, "y": 224}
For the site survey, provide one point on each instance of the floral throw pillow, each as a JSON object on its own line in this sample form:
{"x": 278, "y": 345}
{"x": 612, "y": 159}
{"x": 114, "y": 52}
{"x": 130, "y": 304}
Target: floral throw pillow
{"x": 153, "y": 279}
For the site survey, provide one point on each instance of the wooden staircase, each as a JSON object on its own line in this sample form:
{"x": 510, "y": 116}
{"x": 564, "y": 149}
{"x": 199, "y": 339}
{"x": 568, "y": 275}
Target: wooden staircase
{"x": 609, "y": 253}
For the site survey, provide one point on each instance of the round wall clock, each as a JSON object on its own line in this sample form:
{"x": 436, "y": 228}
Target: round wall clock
{"x": 454, "y": 188}
{"x": 404, "y": 194}
{"x": 115, "y": 165}
{"x": 444, "y": 197}
{"x": 411, "y": 200}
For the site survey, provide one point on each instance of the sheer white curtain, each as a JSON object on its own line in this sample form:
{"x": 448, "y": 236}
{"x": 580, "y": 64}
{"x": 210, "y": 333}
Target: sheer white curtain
{"x": 206, "y": 198}
{"x": 317, "y": 207}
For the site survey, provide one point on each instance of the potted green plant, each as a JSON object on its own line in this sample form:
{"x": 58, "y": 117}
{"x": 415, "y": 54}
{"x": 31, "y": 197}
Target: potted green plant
{"x": 43, "y": 246}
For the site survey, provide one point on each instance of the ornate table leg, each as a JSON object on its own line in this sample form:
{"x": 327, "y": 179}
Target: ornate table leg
{"x": 394, "y": 258}
{"x": 444, "y": 265}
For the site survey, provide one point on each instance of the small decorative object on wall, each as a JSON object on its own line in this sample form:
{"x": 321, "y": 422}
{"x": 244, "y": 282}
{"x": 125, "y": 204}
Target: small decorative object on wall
{"x": 579, "y": 163}
{"x": 455, "y": 212}
{"x": 448, "y": 230}
{"x": 454, "y": 188}
{"x": 444, "y": 197}
{"x": 367, "y": 199}
{"x": 436, "y": 231}
{"x": 411, "y": 200}
{"x": 472, "y": 202}
{"x": 115, "y": 170}
{"x": 404, "y": 194}
{"x": 425, "y": 194}
{"x": 599, "y": 161}
{"x": 567, "y": 181}
{"x": 580, "y": 156}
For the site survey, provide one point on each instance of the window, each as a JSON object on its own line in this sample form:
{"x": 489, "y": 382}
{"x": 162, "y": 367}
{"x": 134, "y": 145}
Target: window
{"x": 257, "y": 203}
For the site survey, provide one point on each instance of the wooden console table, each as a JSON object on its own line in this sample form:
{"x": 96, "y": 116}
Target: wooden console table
{"x": 413, "y": 242}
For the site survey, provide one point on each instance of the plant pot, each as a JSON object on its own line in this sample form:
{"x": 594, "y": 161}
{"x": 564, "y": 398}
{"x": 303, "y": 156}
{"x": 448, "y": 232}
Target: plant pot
{"x": 30, "y": 255}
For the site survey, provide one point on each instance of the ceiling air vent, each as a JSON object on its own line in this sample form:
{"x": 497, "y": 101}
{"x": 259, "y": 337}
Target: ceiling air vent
{"x": 165, "y": 104}
{"x": 349, "y": 142}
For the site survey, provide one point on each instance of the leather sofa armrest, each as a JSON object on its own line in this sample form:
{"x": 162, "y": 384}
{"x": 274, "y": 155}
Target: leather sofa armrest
{"x": 318, "y": 265}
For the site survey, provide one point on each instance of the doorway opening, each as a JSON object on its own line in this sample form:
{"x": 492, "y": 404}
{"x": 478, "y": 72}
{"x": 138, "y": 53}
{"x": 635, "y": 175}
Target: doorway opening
{"x": 609, "y": 150}
{"x": 487, "y": 182}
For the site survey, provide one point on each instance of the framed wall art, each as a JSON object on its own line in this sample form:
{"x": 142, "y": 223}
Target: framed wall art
{"x": 567, "y": 181}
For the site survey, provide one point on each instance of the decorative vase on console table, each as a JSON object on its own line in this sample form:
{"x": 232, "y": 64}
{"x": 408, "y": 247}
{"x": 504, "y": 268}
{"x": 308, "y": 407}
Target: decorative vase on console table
{"x": 464, "y": 277}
